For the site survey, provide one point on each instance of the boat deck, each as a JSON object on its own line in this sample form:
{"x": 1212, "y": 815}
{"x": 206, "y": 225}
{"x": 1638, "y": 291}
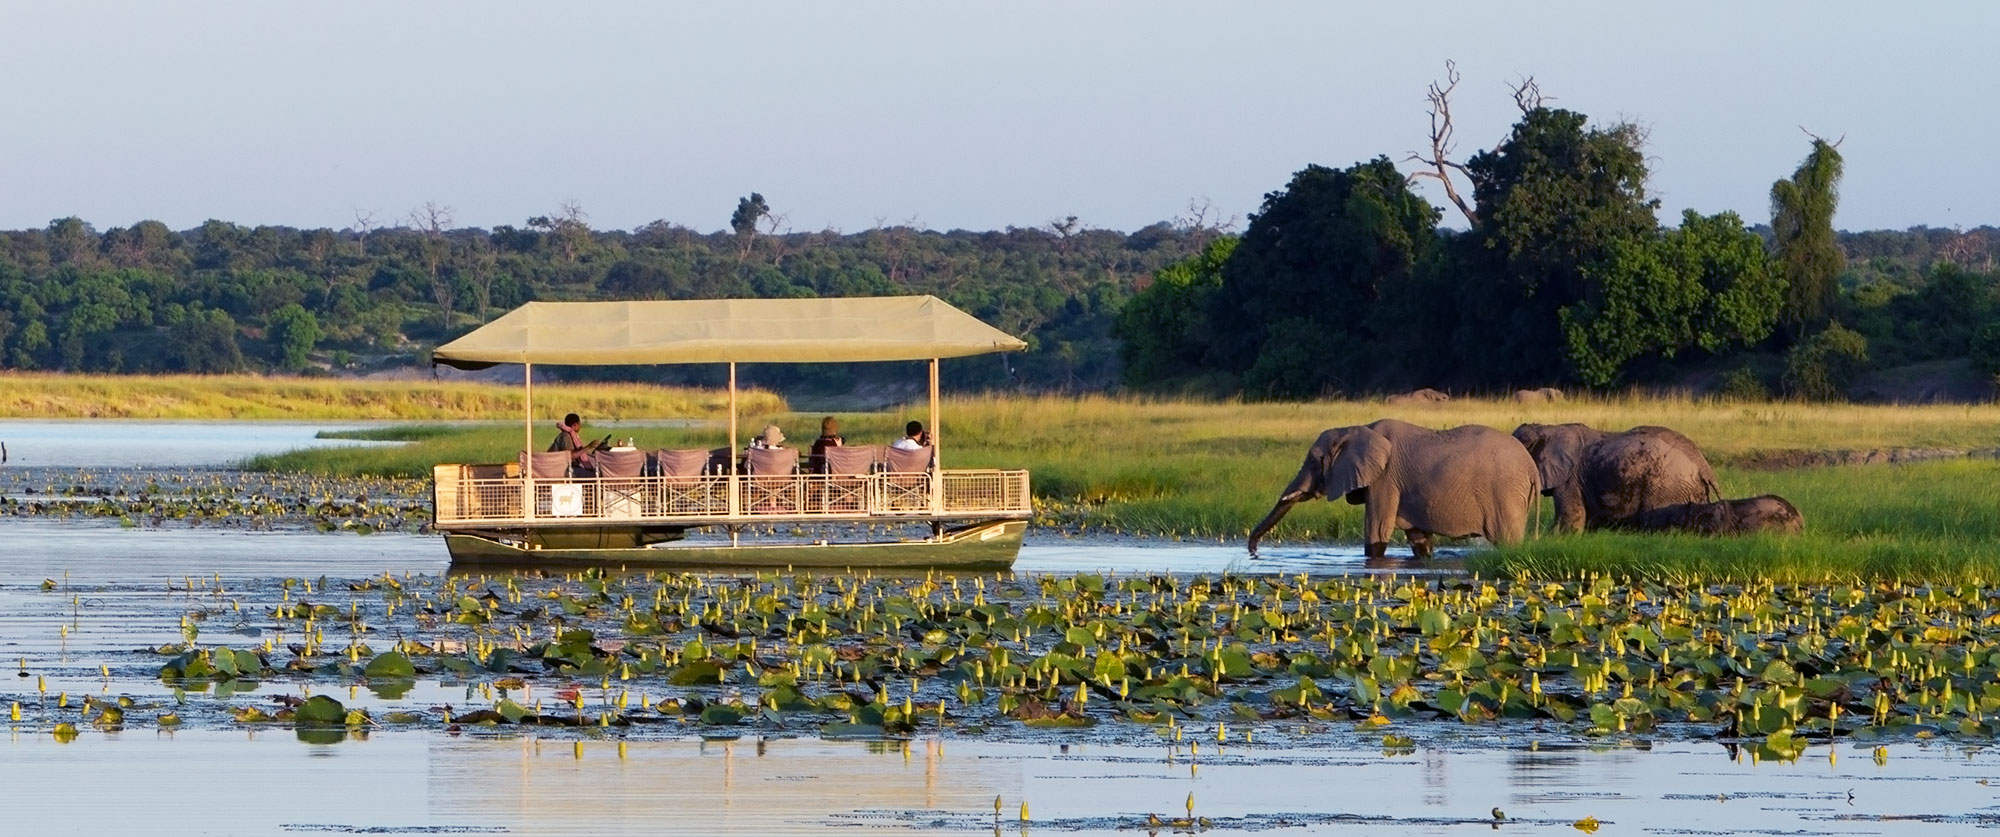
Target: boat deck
{"x": 483, "y": 496}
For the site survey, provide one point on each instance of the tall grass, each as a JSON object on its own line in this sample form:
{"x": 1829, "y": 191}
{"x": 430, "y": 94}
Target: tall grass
{"x": 1924, "y": 521}
{"x": 58, "y": 396}
{"x": 1206, "y": 469}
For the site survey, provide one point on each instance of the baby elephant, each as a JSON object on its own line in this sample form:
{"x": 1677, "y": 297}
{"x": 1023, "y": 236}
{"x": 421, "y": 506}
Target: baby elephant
{"x": 1767, "y": 513}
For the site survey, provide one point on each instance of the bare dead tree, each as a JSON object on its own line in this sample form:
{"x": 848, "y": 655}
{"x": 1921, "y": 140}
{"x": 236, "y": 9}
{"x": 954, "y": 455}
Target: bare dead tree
{"x": 1528, "y": 95}
{"x": 777, "y": 226}
{"x": 1440, "y": 163}
{"x": 1204, "y": 222}
{"x": 1969, "y": 250}
{"x": 364, "y": 221}
{"x": 431, "y": 221}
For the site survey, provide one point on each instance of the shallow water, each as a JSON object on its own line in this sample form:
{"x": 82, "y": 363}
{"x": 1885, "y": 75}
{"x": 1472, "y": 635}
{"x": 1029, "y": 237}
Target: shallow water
{"x": 113, "y": 443}
{"x": 121, "y": 592}
{"x": 269, "y": 782}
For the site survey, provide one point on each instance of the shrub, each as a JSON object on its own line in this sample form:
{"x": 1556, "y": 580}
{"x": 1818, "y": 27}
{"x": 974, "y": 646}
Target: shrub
{"x": 1821, "y": 367}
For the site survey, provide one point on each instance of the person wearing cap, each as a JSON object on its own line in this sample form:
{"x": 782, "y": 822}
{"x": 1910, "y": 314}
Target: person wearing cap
{"x": 771, "y": 438}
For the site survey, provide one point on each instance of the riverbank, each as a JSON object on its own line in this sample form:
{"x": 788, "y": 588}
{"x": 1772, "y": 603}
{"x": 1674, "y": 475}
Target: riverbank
{"x": 62, "y": 396}
{"x": 1189, "y": 471}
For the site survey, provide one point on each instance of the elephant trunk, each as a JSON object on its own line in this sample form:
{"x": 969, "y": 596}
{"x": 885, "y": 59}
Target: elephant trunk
{"x": 1285, "y": 504}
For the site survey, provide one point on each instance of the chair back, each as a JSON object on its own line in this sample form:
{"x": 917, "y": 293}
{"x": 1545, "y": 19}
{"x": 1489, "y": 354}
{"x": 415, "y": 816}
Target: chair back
{"x": 910, "y": 461}
{"x": 551, "y": 465}
{"x": 852, "y": 460}
{"x": 682, "y": 463}
{"x": 620, "y": 463}
{"x": 773, "y": 462}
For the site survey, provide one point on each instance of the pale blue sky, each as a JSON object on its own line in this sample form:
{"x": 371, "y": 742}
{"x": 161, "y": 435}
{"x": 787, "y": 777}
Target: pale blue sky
{"x": 972, "y": 115}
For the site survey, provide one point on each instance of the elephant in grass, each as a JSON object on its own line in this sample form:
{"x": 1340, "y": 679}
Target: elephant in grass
{"x": 1764, "y": 513}
{"x": 1601, "y": 479}
{"x": 1470, "y": 480}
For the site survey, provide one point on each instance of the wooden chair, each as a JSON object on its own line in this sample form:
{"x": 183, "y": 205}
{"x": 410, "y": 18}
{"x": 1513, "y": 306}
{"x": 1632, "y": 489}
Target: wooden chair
{"x": 846, "y": 482}
{"x": 907, "y": 484}
{"x": 773, "y": 485}
{"x": 620, "y": 488}
{"x": 684, "y": 488}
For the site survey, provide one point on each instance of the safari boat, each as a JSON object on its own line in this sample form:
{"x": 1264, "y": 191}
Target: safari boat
{"x": 641, "y": 506}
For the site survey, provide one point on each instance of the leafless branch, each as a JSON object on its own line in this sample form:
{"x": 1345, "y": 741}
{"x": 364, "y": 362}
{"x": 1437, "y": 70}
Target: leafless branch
{"x": 1818, "y": 138}
{"x": 1439, "y": 161}
{"x": 1528, "y": 95}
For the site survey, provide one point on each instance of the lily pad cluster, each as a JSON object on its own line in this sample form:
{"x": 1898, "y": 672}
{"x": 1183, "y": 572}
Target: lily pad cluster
{"x": 141, "y": 497}
{"x": 857, "y": 655}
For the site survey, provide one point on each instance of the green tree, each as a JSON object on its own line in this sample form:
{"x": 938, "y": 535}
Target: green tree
{"x": 1986, "y": 349}
{"x": 203, "y": 341}
{"x": 1808, "y": 253}
{"x": 1706, "y": 286}
{"x": 1164, "y": 330}
{"x": 1296, "y": 314}
{"x": 1821, "y": 367}
{"x": 1561, "y": 205}
{"x": 292, "y": 332}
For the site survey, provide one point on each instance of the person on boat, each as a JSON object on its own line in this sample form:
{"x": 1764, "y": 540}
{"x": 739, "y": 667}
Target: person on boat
{"x": 772, "y": 438}
{"x": 915, "y": 437}
{"x": 829, "y": 437}
{"x": 569, "y": 437}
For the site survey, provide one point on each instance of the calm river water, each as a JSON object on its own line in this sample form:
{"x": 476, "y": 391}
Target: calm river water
{"x": 122, "y": 592}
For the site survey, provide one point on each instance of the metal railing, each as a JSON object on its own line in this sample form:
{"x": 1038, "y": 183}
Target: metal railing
{"x": 477, "y": 495}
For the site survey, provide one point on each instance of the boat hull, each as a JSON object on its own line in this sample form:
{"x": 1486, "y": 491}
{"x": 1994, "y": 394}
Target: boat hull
{"x": 989, "y": 545}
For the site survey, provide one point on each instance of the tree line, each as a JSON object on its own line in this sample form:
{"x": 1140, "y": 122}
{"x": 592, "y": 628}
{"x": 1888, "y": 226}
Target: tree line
{"x": 224, "y": 297}
{"x": 1344, "y": 281}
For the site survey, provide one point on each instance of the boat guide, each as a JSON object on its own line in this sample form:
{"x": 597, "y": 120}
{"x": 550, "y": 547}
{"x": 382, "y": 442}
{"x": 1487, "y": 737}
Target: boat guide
{"x": 641, "y": 507}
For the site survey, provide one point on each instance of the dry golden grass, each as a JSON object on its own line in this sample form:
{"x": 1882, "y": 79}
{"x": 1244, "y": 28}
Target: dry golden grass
{"x": 58, "y": 396}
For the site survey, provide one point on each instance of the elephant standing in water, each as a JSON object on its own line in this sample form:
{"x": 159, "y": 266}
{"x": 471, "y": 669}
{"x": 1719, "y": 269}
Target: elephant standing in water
{"x": 1464, "y": 481}
{"x": 1601, "y": 479}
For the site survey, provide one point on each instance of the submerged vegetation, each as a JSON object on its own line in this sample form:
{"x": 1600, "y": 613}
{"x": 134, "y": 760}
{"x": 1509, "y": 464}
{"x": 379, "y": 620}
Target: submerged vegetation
{"x": 1223, "y": 659}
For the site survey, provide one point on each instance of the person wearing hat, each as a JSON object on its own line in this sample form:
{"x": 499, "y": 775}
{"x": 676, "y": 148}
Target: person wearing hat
{"x": 771, "y": 438}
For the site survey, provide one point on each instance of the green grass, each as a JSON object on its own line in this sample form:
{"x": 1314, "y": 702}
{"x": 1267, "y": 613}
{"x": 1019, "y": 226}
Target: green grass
{"x": 1923, "y": 521}
{"x": 1208, "y": 472}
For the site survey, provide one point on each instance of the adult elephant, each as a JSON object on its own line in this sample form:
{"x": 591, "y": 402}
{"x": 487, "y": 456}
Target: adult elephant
{"x": 1601, "y": 479}
{"x": 1470, "y": 480}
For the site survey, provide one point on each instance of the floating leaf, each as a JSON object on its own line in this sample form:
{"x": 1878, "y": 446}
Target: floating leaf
{"x": 321, "y": 710}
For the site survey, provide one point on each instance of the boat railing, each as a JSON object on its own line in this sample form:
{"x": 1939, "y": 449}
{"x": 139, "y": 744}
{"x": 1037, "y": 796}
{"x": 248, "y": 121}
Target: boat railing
{"x": 487, "y": 495}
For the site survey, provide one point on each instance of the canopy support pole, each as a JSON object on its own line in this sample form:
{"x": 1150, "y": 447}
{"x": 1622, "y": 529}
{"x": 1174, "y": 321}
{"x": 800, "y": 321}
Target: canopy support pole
{"x": 735, "y": 490}
{"x": 937, "y": 462}
{"x": 528, "y": 441}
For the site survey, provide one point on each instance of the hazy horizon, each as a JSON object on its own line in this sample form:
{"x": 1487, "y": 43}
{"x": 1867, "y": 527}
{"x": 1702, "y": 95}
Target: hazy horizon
{"x": 951, "y": 117}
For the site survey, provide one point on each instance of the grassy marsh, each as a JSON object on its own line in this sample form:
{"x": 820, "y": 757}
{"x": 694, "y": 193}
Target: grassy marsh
{"x": 59, "y": 396}
{"x": 1184, "y": 470}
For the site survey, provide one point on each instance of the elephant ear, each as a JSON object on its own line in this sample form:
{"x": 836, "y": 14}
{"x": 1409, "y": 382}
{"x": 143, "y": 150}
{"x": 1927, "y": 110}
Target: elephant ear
{"x": 1556, "y": 456}
{"x": 1363, "y": 458}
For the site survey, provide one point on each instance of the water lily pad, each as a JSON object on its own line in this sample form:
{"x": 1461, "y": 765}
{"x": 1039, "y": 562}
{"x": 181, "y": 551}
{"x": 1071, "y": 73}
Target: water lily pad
{"x": 390, "y": 664}
{"x": 321, "y": 710}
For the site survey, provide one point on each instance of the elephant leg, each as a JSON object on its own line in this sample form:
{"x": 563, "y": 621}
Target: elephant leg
{"x": 1377, "y": 522}
{"x": 1420, "y": 543}
{"x": 1569, "y": 508}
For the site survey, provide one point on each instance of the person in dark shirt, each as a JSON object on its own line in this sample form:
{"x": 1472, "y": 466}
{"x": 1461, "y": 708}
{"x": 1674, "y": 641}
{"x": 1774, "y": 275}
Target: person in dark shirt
{"x": 569, "y": 437}
{"x": 829, "y": 437}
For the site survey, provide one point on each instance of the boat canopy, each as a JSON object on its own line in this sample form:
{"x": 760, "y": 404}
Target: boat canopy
{"x": 831, "y": 330}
